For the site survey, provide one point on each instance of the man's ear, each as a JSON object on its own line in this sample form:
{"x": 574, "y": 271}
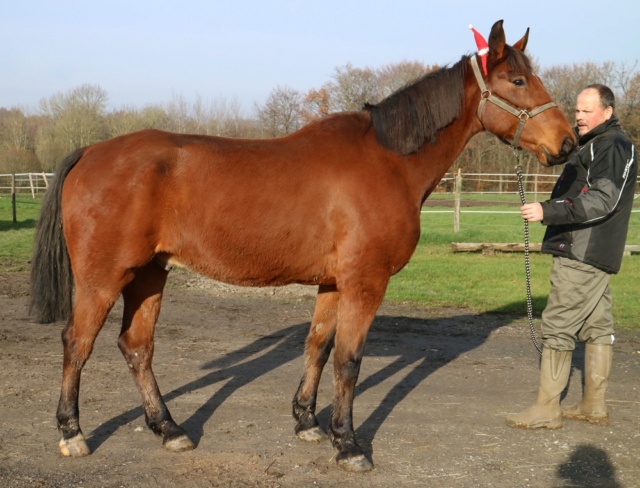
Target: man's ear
{"x": 608, "y": 113}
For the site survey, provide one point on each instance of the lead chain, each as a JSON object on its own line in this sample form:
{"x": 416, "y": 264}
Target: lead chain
{"x": 527, "y": 264}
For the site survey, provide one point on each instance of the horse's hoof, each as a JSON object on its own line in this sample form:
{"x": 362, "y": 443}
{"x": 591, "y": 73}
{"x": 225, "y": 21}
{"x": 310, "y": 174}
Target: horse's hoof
{"x": 74, "y": 447}
{"x": 356, "y": 464}
{"x": 179, "y": 444}
{"x": 314, "y": 434}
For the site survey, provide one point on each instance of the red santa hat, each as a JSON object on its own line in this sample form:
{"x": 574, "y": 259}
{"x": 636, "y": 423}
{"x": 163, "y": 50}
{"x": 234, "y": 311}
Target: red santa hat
{"x": 483, "y": 48}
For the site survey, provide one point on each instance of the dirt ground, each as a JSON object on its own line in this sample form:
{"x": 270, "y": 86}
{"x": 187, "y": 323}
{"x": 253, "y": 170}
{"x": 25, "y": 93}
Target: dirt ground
{"x": 434, "y": 389}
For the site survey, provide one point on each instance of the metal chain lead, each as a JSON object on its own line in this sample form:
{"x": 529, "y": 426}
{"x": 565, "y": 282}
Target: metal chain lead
{"x": 527, "y": 265}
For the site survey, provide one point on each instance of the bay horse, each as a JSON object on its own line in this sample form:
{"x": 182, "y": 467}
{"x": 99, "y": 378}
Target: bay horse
{"x": 335, "y": 204}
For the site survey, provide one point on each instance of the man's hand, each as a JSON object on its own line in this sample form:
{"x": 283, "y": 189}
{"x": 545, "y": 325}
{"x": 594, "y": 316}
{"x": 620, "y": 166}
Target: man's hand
{"x": 532, "y": 212}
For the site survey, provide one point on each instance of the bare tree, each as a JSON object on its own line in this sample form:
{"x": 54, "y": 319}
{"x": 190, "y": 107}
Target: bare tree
{"x": 564, "y": 82}
{"x": 351, "y": 88}
{"x": 16, "y": 142}
{"x": 315, "y": 104}
{"x": 77, "y": 116}
{"x": 224, "y": 118}
{"x": 281, "y": 114}
{"x": 392, "y": 77}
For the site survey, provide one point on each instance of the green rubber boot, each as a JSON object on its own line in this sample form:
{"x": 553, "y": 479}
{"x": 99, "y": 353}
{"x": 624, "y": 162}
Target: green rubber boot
{"x": 597, "y": 366}
{"x": 546, "y": 412}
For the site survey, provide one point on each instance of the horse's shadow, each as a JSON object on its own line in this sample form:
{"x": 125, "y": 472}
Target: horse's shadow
{"x": 419, "y": 345}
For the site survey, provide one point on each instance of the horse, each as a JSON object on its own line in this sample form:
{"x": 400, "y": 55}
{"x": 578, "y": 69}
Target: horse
{"x": 335, "y": 204}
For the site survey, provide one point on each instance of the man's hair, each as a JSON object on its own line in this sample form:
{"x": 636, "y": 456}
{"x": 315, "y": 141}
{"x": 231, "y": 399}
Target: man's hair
{"x": 607, "y": 99}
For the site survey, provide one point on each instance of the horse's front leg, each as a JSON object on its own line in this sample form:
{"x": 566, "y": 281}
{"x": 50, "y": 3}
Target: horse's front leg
{"x": 317, "y": 349}
{"x": 142, "y": 298}
{"x": 356, "y": 310}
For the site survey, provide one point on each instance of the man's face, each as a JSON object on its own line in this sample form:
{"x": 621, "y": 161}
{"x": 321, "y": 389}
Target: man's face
{"x": 589, "y": 111}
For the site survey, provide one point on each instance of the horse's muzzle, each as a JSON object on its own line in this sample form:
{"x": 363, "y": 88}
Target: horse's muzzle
{"x": 566, "y": 150}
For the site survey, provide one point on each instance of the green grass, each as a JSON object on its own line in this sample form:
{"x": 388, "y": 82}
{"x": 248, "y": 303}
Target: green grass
{"x": 435, "y": 276}
{"x": 16, "y": 239}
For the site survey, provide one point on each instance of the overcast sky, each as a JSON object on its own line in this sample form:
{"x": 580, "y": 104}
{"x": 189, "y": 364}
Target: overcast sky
{"x": 148, "y": 52}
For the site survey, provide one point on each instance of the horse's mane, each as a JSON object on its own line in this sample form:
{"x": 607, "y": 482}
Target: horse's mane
{"x": 415, "y": 113}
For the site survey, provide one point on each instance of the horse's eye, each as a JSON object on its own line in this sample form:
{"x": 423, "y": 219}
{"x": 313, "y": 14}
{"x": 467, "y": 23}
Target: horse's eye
{"x": 518, "y": 82}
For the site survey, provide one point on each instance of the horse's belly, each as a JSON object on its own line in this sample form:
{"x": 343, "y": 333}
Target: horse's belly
{"x": 266, "y": 266}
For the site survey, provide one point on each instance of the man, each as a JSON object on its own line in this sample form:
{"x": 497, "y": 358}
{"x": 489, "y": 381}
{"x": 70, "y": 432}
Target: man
{"x": 587, "y": 218}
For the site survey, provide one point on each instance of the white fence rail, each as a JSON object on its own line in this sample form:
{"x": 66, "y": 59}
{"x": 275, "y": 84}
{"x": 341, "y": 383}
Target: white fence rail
{"x": 30, "y": 183}
{"x": 470, "y": 183}
{"x": 457, "y": 184}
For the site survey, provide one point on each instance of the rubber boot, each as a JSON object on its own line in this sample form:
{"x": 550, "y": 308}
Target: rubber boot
{"x": 597, "y": 366}
{"x": 546, "y": 412}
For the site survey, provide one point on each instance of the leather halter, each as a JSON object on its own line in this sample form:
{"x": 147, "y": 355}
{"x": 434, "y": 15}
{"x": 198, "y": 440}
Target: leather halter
{"x": 522, "y": 114}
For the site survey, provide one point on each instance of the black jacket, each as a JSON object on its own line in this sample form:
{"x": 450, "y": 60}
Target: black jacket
{"x": 588, "y": 213}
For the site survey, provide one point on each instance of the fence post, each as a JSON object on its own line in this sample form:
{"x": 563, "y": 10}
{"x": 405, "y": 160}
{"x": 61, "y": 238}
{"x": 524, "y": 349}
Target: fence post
{"x": 13, "y": 198}
{"x": 33, "y": 191}
{"x": 457, "y": 189}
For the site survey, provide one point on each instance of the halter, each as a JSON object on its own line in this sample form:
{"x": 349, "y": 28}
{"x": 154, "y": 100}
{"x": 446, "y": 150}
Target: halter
{"x": 522, "y": 114}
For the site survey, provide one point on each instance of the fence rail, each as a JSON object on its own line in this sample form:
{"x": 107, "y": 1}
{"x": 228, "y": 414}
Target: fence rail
{"x": 33, "y": 183}
{"x": 470, "y": 183}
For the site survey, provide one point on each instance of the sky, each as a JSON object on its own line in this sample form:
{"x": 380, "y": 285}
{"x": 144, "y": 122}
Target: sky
{"x": 150, "y": 52}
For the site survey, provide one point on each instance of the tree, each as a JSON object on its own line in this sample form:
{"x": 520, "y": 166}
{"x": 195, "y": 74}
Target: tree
{"x": 315, "y": 104}
{"x": 628, "y": 108}
{"x": 351, "y": 88}
{"x": 281, "y": 114}
{"x": 78, "y": 115}
{"x": 16, "y": 142}
{"x": 564, "y": 82}
{"x": 392, "y": 77}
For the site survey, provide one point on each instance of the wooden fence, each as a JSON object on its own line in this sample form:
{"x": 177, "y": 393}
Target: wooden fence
{"x": 34, "y": 183}
{"x": 30, "y": 183}
{"x": 37, "y": 183}
{"x": 496, "y": 183}
{"x": 535, "y": 186}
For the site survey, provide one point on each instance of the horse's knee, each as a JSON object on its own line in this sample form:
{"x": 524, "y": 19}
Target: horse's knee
{"x": 137, "y": 356}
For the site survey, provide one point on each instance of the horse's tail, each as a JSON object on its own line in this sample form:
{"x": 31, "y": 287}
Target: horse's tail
{"x": 51, "y": 276}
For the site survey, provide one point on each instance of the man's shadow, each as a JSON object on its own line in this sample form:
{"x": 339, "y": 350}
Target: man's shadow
{"x": 588, "y": 467}
{"x": 420, "y": 345}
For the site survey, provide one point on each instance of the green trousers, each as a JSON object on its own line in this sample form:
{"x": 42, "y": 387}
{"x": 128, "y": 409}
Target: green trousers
{"x": 579, "y": 306}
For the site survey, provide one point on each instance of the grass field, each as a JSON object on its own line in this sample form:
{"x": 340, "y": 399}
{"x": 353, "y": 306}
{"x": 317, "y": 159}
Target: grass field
{"x": 435, "y": 276}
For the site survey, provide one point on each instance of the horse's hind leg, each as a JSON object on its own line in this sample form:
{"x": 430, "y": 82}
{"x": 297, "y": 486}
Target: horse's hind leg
{"x": 89, "y": 314}
{"x": 317, "y": 349}
{"x": 142, "y": 298}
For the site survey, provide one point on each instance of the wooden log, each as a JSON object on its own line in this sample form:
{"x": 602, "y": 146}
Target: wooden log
{"x": 492, "y": 248}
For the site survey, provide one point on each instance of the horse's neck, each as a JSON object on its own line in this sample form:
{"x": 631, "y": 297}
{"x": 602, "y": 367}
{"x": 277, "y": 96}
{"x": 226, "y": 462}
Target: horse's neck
{"x": 433, "y": 160}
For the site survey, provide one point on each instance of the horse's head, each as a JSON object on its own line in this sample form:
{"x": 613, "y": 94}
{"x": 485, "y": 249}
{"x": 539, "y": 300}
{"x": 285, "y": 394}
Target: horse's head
{"x": 515, "y": 106}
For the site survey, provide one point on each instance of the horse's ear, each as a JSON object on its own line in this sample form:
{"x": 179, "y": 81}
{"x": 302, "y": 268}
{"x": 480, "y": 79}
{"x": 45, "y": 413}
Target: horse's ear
{"x": 497, "y": 41}
{"x": 522, "y": 43}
